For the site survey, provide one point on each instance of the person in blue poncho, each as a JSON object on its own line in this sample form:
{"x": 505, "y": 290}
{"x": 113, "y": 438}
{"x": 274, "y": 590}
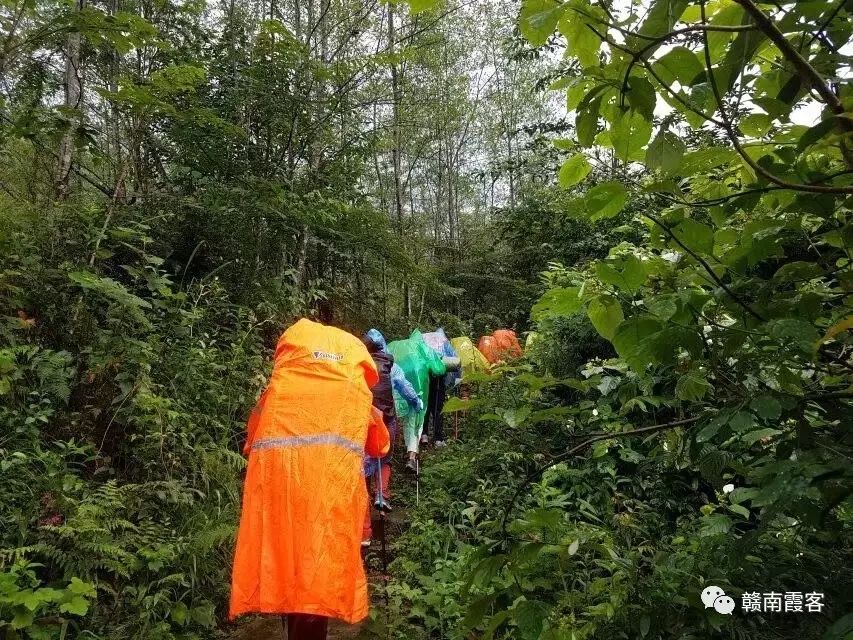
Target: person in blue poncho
{"x": 392, "y": 395}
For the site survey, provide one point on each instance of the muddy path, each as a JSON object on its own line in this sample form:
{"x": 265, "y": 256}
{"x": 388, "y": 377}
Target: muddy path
{"x": 271, "y": 628}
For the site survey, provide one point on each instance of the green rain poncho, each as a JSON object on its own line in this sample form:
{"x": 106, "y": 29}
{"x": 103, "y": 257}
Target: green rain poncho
{"x": 418, "y": 362}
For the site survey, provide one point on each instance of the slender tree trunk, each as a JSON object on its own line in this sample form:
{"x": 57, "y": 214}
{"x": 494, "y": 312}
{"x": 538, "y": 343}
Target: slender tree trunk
{"x": 114, "y": 142}
{"x": 396, "y": 95}
{"x": 73, "y": 86}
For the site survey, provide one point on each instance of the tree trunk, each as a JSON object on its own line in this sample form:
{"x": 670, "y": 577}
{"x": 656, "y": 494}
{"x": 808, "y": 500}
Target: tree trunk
{"x": 73, "y": 86}
{"x": 396, "y": 95}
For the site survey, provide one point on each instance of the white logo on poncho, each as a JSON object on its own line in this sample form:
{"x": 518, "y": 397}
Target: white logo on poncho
{"x": 325, "y": 355}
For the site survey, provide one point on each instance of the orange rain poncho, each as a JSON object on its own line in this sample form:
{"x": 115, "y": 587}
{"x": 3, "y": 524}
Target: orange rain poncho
{"x": 304, "y": 499}
{"x": 487, "y": 347}
{"x": 502, "y": 345}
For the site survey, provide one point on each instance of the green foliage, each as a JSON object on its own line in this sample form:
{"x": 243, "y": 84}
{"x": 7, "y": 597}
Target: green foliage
{"x": 598, "y": 509}
{"x": 40, "y": 610}
{"x": 121, "y": 414}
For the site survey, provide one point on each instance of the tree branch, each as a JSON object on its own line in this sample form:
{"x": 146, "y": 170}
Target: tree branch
{"x": 819, "y": 33}
{"x": 655, "y": 42}
{"x": 654, "y": 74}
{"x": 594, "y": 437}
{"x": 705, "y": 266}
{"x": 765, "y": 24}
{"x": 733, "y": 136}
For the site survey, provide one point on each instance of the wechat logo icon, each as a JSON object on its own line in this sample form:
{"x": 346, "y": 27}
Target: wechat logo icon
{"x": 717, "y": 598}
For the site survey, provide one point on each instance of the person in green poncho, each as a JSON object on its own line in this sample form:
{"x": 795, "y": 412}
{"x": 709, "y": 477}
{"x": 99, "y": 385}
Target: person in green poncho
{"x": 418, "y": 362}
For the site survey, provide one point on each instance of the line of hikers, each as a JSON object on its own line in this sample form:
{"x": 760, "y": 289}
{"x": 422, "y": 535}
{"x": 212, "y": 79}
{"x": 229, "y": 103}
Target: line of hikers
{"x": 326, "y": 421}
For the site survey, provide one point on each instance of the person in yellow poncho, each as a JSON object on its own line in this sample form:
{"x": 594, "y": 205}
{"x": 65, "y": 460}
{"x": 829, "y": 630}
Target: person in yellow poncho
{"x": 472, "y": 360}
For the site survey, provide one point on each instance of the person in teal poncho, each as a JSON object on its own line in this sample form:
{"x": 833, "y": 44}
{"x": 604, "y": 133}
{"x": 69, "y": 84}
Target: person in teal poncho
{"x": 418, "y": 362}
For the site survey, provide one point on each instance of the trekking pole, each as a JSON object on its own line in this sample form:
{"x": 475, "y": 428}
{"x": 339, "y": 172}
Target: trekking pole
{"x": 417, "y": 481}
{"x": 382, "y": 530}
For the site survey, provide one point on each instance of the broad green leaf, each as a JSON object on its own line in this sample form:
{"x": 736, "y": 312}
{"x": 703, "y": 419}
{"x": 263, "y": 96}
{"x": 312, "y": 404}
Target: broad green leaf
{"x": 680, "y": 65}
{"x": 740, "y": 53}
{"x": 608, "y": 274}
{"x": 629, "y": 276}
{"x": 538, "y": 19}
{"x": 581, "y": 41}
{"x": 718, "y": 41}
{"x": 605, "y": 313}
{"x": 794, "y": 332}
{"x": 477, "y": 611}
{"x": 665, "y": 152}
{"x": 740, "y": 510}
{"x": 605, "y": 200}
{"x": 841, "y": 629}
{"x": 755, "y": 125}
{"x": 76, "y": 605}
{"x": 661, "y": 17}
{"x": 798, "y": 271}
{"x": 455, "y": 404}
{"x": 629, "y": 134}
{"x": 419, "y": 6}
{"x": 516, "y": 417}
{"x": 692, "y": 386}
{"x": 715, "y": 524}
{"x": 704, "y": 160}
{"x": 742, "y": 494}
{"x": 702, "y": 102}
{"x": 180, "y": 613}
{"x": 32, "y": 600}
{"x": 642, "y": 97}
{"x": 754, "y": 436}
{"x": 558, "y": 302}
{"x": 791, "y": 89}
{"x": 574, "y": 170}
{"x": 767, "y": 407}
{"x": 573, "y": 547}
{"x": 663, "y": 306}
{"x": 707, "y": 432}
{"x": 576, "y": 92}
{"x": 586, "y": 123}
{"x": 667, "y": 345}
{"x": 741, "y": 421}
{"x": 815, "y": 133}
{"x": 562, "y": 83}
{"x": 602, "y": 138}
{"x": 204, "y": 615}
{"x": 81, "y": 588}
{"x": 629, "y": 341}
{"x": 494, "y": 622}
{"x": 485, "y": 570}
{"x": 695, "y": 235}
{"x": 530, "y": 616}
{"x": 23, "y": 618}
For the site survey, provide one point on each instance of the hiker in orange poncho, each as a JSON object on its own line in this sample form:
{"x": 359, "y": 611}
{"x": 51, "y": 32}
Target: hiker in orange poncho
{"x": 304, "y": 498}
{"x": 500, "y": 346}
